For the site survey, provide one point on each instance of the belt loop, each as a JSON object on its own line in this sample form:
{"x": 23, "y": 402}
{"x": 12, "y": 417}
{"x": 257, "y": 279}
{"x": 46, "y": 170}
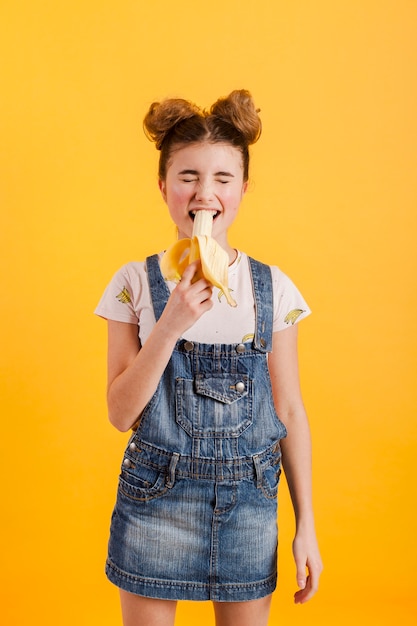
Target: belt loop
{"x": 171, "y": 470}
{"x": 258, "y": 470}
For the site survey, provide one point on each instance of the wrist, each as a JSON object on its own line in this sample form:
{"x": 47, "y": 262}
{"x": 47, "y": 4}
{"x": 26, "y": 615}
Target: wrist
{"x": 166, "y": 332}
{"x": 305, "y": 522}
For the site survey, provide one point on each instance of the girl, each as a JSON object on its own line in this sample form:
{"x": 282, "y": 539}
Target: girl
{"x": 202, "y": 385}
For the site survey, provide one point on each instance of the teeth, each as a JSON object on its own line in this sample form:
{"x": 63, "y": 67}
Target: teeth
{"x": 214, "y": 260}
{"x": 195, "y": 211}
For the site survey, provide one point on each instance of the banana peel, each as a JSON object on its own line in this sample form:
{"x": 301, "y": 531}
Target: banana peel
{"x": 214, "y": 259}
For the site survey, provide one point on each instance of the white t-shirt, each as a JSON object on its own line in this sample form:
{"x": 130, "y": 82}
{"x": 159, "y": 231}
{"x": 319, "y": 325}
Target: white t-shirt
{"x": 127, "y": 299}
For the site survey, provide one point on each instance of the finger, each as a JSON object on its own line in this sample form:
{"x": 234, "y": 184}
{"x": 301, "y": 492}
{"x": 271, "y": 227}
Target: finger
{"x": 196, "y": 283}
{"x": 207, "y": 294}
{"x": 301, "y": 581}
{"x": 190, "y": 271}
{"x": 302, "y": 595}
{"x": 310, "y": 588}
{"x": 197, "y": 291}
{"x": 301, "y": 574}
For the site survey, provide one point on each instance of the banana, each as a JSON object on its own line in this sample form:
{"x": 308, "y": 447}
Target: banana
{"x": 124, "y": 296}
{"x": 214, "y": 260}
{"x": 293, "y": 315}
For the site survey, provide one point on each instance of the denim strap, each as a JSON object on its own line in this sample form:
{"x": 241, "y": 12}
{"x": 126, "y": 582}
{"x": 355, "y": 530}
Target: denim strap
{"x": 157, "y": 285}
{"x": 262, "y": 292}
{"x": 264, "y": 306}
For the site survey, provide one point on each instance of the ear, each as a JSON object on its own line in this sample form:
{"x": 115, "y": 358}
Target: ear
{"x": 162, "y": 189}
{"x": 245, "y": 188}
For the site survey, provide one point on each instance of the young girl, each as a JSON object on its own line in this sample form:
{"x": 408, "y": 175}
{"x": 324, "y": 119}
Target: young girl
{"x": 212, "y": 395}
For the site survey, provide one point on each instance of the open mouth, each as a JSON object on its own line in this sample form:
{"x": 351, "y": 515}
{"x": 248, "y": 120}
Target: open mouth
{"x": 214, "y": 213}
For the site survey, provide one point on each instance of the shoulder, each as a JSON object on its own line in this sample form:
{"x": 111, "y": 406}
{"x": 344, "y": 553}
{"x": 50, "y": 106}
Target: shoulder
{"x": 126, "y": 294}
{"x": 279, "y": 279}
{"x": 289, "y": 304}
{"x": 131, "y": 270}
{"x": 133, "y": 273}
{"x": 127, "y": 282}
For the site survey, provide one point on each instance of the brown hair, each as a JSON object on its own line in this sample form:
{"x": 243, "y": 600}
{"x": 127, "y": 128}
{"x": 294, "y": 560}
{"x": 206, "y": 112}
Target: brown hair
{"x": 174, "y": 122}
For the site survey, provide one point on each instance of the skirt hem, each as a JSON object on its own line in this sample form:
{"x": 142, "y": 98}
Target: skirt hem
{"x": 183, "y": 590}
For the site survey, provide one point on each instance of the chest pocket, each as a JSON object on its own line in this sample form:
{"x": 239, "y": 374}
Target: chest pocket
{"x": 214, "y": 405}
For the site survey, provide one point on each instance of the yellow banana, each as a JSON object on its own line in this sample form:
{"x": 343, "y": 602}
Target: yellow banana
{"x": 214, "y": 259}
{"x": 124, "y": 296}
{"x": 293, "y": 315}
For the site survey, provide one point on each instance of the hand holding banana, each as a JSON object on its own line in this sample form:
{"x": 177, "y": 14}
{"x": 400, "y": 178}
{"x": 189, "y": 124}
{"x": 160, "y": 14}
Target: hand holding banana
{"x": 214, "y": 260}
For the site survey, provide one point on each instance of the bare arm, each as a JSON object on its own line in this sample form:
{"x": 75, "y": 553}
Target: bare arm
{"x": 296, "y": 458}
{"x": 134, "y": 372}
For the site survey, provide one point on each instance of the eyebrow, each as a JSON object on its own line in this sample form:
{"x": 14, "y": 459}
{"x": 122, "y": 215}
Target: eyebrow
{"x": 195, "y": 173}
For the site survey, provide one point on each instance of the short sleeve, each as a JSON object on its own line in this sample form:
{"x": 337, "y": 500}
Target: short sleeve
{"x": 118, "y": 300}
{"x": 289, "y": 305}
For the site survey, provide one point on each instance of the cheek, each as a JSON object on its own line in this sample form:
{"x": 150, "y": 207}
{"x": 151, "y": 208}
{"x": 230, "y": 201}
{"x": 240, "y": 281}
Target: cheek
{"x": 177, "y": 202}
{"x": 177, "y": 195}
{"x": 233, "y": 197}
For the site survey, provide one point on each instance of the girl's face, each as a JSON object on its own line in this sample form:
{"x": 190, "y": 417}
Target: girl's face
{"x": 204, "y": 176}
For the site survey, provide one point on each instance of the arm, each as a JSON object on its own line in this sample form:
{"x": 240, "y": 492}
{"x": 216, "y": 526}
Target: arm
{"x": 296, "y": 458}
{"x": 134, "y": 372}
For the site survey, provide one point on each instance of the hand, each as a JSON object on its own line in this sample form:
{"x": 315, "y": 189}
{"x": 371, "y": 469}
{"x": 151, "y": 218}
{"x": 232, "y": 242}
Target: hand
{"x": 309, "y": 566}
{"x": 188, "y": 301}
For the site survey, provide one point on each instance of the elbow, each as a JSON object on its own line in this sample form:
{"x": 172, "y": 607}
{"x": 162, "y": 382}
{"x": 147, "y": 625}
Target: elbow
{"x": 121, "y": 423}
{"x": 118, "y": 423}
{"x": 120, "y": 418}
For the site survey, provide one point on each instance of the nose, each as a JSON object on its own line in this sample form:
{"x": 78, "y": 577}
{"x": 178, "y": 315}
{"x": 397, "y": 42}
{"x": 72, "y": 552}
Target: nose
{"x": 204, "y": 192}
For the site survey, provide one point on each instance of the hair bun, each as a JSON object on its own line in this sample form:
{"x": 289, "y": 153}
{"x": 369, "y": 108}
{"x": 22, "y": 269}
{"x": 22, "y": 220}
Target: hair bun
{"x": 238, "y": 108}
{"x": 162, "y": 117}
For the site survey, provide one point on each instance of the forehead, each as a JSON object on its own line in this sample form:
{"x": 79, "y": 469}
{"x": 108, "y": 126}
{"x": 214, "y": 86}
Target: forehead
{"x": 206, "y": 157}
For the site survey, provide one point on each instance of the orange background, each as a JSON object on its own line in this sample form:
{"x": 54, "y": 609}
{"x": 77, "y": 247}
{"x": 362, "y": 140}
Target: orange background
{"x": 332, "y": 202}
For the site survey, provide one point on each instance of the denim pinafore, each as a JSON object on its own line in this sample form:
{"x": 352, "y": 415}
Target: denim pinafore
{"x": 196, "y": 510}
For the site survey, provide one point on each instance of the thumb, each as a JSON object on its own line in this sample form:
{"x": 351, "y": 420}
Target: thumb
{"x": 190, "y": 271}
{"x": 301, "y": 575}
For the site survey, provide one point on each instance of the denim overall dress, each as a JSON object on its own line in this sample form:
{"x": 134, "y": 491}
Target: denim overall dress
{"x": 196, "y": 510}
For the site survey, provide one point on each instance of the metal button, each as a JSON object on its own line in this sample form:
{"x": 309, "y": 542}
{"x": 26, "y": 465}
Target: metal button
{"x": 263, "y": 343}
{"x": 240, "y": 348}
{"x": 188, "y": 345}
{"x": 126, "y": 463}
{"x": 240, "y": 387}
{"x": 133, "y": 446}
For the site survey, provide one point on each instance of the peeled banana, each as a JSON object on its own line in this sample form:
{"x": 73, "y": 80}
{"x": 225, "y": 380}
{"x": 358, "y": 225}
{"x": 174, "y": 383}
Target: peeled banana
{"x": 214, "y": 259}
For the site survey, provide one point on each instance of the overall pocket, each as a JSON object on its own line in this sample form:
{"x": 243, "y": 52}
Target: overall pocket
{"x": 214, "y": 405}
{"x": 268, "y": 474}
{"x": 141, "y": 480}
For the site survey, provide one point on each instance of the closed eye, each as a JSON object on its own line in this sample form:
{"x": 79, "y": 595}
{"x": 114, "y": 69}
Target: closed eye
{"x": 188, "y": 176}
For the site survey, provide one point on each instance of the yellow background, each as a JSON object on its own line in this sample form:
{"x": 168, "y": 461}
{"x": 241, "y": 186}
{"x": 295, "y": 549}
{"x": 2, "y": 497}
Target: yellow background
{"x": 332, "y": 202}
